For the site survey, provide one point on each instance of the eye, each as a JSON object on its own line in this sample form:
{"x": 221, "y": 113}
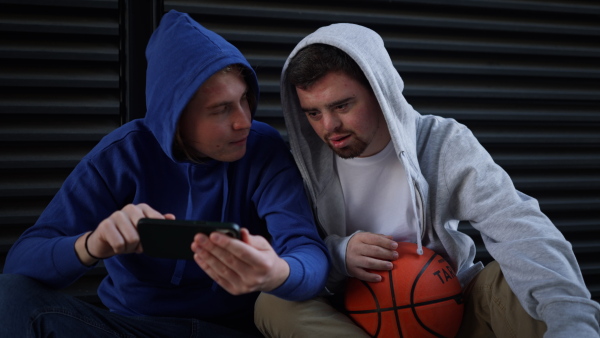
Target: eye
{"x": 341, "y": 107}
{"x": 313, "y": 115}
{"x": 224, "y": 109}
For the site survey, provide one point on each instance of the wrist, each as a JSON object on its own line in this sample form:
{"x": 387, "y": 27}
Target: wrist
{"x": 282, "y": 272}
{"x": 87, "y": 249}
{"x": 81, "y": 252}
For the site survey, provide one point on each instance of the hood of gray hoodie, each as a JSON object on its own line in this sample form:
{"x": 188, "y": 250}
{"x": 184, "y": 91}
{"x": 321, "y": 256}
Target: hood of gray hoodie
{"x": 313, "y": 156}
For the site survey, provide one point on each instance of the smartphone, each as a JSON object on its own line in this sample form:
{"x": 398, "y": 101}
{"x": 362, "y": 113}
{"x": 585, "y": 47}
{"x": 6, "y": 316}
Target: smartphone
{"x": 163, "y": 238}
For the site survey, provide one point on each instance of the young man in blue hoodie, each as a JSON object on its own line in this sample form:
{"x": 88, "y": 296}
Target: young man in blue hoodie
{"x": 197, "y": 155}
{"x": 377, "y": 172}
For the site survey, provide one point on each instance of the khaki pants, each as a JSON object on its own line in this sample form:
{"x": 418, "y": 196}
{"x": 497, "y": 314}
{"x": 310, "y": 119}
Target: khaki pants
{"x": 491, "y": 310}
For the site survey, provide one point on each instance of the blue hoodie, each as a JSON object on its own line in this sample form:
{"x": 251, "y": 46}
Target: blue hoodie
{"x": 263, "y": 192}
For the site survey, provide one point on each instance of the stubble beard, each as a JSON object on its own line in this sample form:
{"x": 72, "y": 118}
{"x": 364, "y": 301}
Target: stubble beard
{"x": 355, "y": 149}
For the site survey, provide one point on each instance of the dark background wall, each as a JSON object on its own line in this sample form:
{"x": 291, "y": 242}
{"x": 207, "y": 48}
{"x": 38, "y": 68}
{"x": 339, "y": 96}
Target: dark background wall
{"x": 523, "y": 75}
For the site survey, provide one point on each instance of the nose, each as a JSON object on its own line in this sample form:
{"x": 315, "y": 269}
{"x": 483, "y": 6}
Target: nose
{"x": 242, "y": 118}
{"x": 331, "y": 122}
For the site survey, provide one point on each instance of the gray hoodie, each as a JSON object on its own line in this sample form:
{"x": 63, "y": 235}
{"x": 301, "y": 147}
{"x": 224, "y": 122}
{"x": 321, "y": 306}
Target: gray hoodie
{"x": 453, "y": 179}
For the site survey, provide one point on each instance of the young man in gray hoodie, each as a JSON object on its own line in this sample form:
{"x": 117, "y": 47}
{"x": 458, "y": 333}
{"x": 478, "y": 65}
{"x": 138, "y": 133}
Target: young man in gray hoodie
{"x": 377, "y": 172}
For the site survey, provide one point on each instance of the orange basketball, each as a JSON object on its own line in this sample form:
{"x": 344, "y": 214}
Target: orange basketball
{"x": 420, "y": 297}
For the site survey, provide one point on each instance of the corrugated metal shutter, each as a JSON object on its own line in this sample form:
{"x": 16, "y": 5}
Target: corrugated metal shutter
{"x": 522, "y": 75}
{"x": 59, "y": 94}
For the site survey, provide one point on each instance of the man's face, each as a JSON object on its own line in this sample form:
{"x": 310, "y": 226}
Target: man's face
{"x": 217, "y": 120}
{"x": 346, "y": 115}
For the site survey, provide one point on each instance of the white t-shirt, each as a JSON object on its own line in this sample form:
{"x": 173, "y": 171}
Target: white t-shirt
{"x": 377, "y": 195}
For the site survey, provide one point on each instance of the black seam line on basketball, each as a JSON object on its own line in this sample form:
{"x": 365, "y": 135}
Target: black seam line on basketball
{"x": 390, "y": 277}
{"x": 412, "y": 296}
{"x": 376, "y": 306}
{"x": 440, "y": 300}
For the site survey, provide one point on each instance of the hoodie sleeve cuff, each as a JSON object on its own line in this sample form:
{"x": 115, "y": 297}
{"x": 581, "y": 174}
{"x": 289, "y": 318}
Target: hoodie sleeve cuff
{"x": 65, "y": 259}
{"x": 571, "y": 319}
{"x": 289, "y": 289}
{"x": 337, "y": 247}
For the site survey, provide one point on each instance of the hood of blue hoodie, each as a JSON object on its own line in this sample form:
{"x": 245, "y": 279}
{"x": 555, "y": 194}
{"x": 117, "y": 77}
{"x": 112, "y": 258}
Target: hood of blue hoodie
{"x": 181, "y": 55}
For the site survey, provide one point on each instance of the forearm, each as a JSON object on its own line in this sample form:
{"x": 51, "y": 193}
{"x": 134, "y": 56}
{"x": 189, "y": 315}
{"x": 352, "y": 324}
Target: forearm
{"x": 53, "y": 261}
{"x": 572, "y": 319}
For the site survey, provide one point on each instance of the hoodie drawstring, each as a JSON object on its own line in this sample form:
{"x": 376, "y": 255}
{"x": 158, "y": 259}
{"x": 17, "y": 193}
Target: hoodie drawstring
{"x": 415, "y": 206}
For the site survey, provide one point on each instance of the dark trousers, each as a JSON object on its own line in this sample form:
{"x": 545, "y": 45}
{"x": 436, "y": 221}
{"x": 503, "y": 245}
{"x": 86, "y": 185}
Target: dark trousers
{"x": 30, "y": 309}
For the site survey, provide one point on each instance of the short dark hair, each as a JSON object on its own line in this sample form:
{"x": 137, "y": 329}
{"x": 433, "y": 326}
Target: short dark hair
{"x": 314, "y": 61}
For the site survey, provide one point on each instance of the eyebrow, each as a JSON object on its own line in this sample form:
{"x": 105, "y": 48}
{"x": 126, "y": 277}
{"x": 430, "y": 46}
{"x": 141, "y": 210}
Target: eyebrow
{"x": 332, "y": 104}
{"x": 224, "y": 103}
{"x": 340, "y": 102}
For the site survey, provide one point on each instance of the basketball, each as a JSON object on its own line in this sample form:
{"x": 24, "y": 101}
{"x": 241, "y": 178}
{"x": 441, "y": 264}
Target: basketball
{"x": 420, "y": 297}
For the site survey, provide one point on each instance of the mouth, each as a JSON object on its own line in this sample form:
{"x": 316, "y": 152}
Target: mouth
{"x": 339, "y": 141}
{"x": 240, "y": 141}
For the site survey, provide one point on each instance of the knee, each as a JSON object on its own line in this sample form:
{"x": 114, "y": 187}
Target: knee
{"x": 492, "y": 271}
{"x": 18, "y": 292}
{"x": 261, "y": 314}
{"x": 274, "y": 316}
{"x": 265, "y": 308}
{"x": 488, "y": 281}
{"x": 13, "y": 286}
{"x": 20, "y": 300}
{"x": 316, "y": 317}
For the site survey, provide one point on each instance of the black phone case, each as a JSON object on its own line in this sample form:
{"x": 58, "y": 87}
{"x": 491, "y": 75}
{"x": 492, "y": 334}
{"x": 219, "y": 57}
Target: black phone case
{"x": 172, "y": 239}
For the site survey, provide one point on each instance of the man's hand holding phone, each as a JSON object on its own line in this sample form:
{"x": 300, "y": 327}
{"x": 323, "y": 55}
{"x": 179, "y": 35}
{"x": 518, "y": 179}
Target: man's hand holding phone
{"x": 240, "y": 266}
{"x": 116, "y": 234}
